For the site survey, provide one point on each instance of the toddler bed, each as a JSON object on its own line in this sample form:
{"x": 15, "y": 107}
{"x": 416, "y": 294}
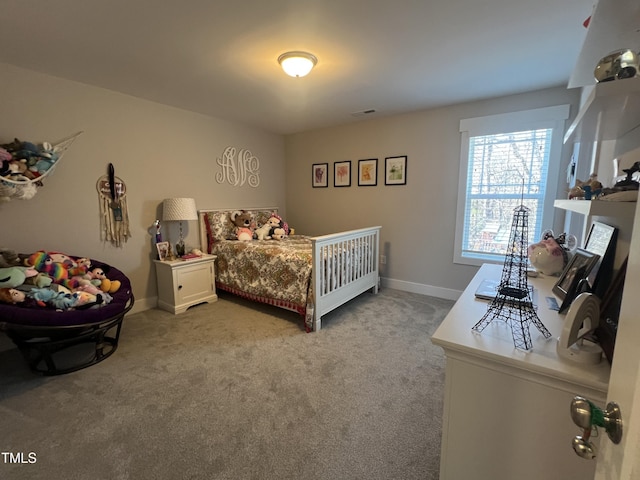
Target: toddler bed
{"x": 47, "y": 337}
{"x": 309, "y": 275}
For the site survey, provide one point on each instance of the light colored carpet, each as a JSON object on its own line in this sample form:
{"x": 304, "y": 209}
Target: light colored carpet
{"x": 237, "y": 390}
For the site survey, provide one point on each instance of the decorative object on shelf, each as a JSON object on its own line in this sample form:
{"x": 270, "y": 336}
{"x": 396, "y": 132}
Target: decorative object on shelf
{"x": 617, "y": 65}
{"x": 179, "y": 210}
{"x": 368, "y": 172}
{"x": 576, "y": 271}
{"x": 320, "y": 175}
{"x": 240, "y": 169}
{"x": 114, "y": 215}
{"x": 610, "y": 312}
{"x": 163, "y": 250}
{"x": 342, "y": 174}
{"x": 588, "y": 190}
{"x": 601, "y": 240}
{"x": 395, "y": 170}
{"x": 582, "y": 319}
{"x": 550, "y": 255}
{"x": 158, "y": 234}
{"x": 23, "y": 166}
{"x": 513, "y": 303}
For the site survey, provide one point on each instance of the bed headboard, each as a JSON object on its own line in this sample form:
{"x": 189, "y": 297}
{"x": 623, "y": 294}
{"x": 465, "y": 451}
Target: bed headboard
{"x": 215, "y": 225}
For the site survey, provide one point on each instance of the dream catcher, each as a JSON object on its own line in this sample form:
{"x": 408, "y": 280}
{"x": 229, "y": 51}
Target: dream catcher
{"x": 114, "y": 216}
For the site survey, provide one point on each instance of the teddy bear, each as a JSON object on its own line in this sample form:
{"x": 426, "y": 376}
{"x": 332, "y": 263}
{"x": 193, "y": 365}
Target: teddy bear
{"x": 244, "y": 225}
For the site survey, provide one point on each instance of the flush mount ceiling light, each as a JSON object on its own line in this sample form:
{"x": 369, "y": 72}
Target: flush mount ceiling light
{"x": 297, "y": 64}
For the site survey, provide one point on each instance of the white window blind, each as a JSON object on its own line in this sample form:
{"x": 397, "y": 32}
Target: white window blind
{"x": 503, "y": 166}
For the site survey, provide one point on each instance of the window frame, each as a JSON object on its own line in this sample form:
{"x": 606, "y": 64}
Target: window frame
{"x": 549, "y": 118}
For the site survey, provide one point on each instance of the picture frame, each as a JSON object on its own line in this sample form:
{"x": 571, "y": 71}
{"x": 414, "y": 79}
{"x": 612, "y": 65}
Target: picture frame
{"x": 342, "y": 174}
{"x": 576, "y": 270}
{"x": 601, "y": 240}
{"x": 163, "y": 250}
{"x": 395, "y": 170}
{"x": 610, "y": 313}
{"x": 320, "y": 175}
{"x": 368, "y": 172}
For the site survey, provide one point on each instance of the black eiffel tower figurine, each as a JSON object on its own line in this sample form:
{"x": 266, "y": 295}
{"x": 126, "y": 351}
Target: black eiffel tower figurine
{"x": 513, "y": 303}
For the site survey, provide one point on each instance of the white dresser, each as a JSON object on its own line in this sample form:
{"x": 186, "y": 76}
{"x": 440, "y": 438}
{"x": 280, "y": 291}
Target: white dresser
{"x": 506, "y": 411}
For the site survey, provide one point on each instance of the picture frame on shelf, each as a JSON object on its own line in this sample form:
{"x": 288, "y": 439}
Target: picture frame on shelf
{"x": 395, "y": 170}
{"x": 601, "y": 240}
{"x": 163, "y": 250}
{"x": 320, "y": 175}
{"x": 577, "y": 270}
{"x": 342, "y": 174}
{"x": 368, "y": 172}
{"x": 610, "y": 313}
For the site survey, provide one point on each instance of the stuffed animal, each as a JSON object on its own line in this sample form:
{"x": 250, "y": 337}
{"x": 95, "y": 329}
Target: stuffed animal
{"x": 106, "y": 285}
{"x": 47, "y": 297}
{"x": 244, "y": 225}
{"x": 276, "y": 221}
{"x": 278, "y": 233}
{"x": 15, "y": 276}
{"x": 43, "y": 263}
{"x": 9, "y": 258}
{"x": 262, "y": 232}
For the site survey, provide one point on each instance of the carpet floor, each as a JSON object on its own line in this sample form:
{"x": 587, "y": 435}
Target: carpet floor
{"x": 237, "y": 390}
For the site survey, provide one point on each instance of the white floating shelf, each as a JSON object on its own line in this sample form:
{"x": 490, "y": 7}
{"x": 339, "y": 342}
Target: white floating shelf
{"x": 599, "y": 208}
{"x": 611, "y": 111}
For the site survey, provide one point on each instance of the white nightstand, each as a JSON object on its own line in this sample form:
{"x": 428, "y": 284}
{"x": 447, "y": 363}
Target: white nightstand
{"x": 184, "y": 283}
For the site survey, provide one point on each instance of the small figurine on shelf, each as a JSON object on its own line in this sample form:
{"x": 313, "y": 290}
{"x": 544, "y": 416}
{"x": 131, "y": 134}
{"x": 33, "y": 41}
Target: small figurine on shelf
{"x": 158, "y": 232}
{"x": 170, "y": 256}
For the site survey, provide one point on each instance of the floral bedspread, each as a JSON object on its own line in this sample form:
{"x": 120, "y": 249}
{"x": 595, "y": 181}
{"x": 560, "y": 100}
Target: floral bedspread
{"x": 277, "y": 272}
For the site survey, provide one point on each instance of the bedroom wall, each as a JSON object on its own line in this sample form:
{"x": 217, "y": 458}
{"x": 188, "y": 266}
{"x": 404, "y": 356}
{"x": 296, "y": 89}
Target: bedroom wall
{"x": 418, "y": 219}
{"x": 158, "y": 151}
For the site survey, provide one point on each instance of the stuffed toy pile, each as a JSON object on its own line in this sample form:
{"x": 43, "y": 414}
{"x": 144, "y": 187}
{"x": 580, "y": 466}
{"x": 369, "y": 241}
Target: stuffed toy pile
{"x": 54, "y": 280}
{"x": 245, "y": 228}
{"x": 22, "y": 161}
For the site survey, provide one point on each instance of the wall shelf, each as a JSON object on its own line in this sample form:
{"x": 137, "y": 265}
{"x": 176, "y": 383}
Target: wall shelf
{"x": 611, "y": 111}
{"x": 598, "y": 208}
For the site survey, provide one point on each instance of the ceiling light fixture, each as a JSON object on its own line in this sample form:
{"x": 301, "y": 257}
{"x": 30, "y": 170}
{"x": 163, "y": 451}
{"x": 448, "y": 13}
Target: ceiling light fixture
{"x": 297, "y": 64}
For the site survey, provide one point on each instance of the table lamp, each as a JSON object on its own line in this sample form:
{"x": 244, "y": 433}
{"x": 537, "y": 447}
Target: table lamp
{"x": 179, "y": 210}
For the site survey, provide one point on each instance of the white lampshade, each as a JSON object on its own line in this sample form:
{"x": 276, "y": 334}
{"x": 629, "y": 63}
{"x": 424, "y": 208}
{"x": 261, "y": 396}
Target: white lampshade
{"x": 175, "y": 209}
{"x": 297, "y": 64}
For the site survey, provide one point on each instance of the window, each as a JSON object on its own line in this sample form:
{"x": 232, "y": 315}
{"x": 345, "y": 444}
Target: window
{"x": 505, "y": 161}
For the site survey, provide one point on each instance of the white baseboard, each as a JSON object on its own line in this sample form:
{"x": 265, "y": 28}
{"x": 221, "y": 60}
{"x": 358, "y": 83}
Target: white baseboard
{"x": 144, "y": 304}
{"x": 420, "y": 288}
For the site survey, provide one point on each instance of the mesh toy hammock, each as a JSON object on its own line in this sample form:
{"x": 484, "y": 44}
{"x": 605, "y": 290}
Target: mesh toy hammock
{"x": 24, "y": 188}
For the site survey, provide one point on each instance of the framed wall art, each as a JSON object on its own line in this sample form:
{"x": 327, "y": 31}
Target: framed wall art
{"x": 320, "y": 175}
{"x": 395, "y": 170}
{"x": 342, "y": 174}
{"x": 368, "y": 172}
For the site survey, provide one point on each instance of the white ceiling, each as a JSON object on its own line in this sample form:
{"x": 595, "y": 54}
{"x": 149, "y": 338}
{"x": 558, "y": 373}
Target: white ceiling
{"x": 219, "y": 57}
